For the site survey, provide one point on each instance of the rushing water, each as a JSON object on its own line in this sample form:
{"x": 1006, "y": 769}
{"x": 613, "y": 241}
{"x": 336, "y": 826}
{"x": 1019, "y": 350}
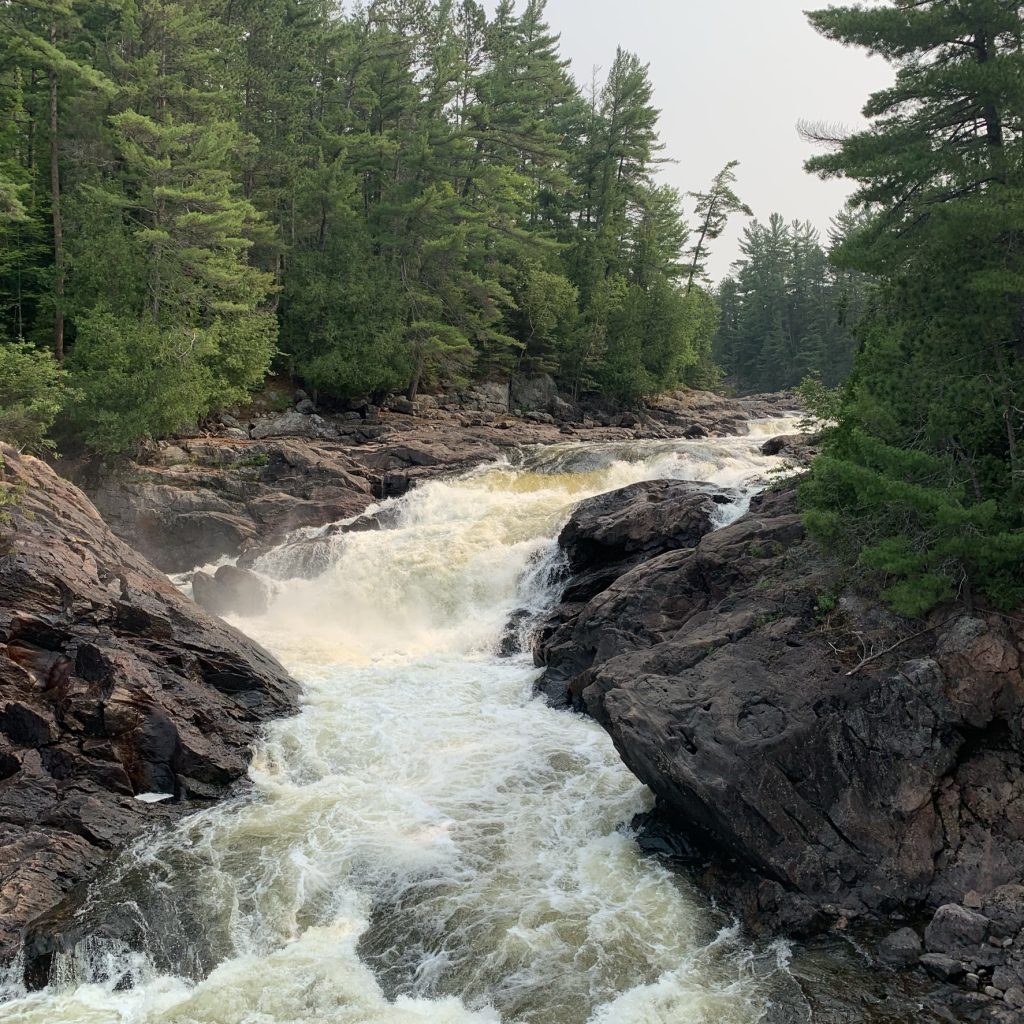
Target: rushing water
{"x": 425, "y": 842}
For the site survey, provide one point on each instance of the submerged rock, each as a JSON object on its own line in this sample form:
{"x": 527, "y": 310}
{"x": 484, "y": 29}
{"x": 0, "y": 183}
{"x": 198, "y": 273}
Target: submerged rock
{"x": 232, "y": 591}
{"x": 112, "y": 686}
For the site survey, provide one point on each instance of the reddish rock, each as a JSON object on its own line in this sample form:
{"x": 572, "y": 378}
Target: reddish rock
{"x": 112, "y": 684}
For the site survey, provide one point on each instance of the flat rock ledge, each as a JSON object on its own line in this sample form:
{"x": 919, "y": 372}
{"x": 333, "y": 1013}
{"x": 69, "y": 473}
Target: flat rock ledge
{"x": 113, "y": 686}
{"x": 243, "y": 485}
{"x": 819, "y": 763}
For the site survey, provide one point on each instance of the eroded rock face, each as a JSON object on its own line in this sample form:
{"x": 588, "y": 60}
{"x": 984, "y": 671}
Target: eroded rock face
{"x": 192, "y": 503}
{"x": 605, "y": 538}
{"x": 112, "y": 685}
{"x": 730, "y": 680}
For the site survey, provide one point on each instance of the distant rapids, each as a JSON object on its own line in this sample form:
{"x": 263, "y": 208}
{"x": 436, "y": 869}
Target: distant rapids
{"x": 426, "y": 842}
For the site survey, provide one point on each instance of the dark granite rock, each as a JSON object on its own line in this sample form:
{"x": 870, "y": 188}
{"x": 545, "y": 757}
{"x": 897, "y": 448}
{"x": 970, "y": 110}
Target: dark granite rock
{"x": 901, "y": 949}
{"x": 954, "y": 928}
{"x": 945, "y": 968}
{"x": 822, "y": 783}
{"x": 112, "y": 685}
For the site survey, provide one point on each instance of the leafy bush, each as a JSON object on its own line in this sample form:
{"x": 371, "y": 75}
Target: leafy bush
{"x": 32, "y": 392}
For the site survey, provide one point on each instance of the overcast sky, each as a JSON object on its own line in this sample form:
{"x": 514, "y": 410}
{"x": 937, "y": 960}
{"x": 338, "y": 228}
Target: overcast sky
{"x": 732, "y": 78}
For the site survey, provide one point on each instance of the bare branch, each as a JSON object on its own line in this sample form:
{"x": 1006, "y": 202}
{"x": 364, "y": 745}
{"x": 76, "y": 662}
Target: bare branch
{"x": 823, "y": 133}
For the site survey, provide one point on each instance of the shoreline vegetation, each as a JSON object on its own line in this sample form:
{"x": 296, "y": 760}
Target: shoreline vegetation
{"x": 392, "y": 199}
{"x": 412, "y": 196}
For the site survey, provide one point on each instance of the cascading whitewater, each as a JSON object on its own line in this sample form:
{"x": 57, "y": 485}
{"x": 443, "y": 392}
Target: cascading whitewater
{"x": 425, "y": 842}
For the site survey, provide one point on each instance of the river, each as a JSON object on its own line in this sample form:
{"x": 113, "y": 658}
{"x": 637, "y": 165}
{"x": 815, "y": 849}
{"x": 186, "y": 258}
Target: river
{"x": 426, "y": 842}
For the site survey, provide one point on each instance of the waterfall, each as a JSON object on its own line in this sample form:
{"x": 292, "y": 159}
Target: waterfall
{"x": 425, "y": 842}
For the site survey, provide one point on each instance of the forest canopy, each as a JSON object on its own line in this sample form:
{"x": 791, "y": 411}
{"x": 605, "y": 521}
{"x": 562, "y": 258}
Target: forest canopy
{"x": 376, "y": 198}
{"x": 922, "y": 478}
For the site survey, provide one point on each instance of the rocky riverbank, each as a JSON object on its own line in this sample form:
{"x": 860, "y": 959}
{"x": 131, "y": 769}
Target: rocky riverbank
{"x": 819, "y": 763}
{"x": 248, "y": 480}
{"x": 122, "y": 703}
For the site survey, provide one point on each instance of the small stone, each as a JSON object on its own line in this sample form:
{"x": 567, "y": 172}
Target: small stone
{"x": 988, "y": 956}
{"x": 992, "y": 992}
{"x": 943, "y": 967}
{"x": 973, "y": 982}
{"x": 1015, "y": 997}
{"x": 973, "y": 901}
{"x": 1003, "y": 978}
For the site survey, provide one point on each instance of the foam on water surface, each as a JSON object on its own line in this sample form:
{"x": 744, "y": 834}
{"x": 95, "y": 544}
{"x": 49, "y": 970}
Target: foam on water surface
{"x": 425, "y": 842}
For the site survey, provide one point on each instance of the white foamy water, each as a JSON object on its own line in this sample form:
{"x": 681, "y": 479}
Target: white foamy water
{"x": 425, "y": 842}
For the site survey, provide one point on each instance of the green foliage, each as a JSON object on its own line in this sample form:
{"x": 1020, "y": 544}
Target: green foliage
{"x": 713, "y": 209}
{"x": 923, "y": 479}
{"x": 9, "y": 495}
{"x": 824, "y": 405}
{"x": 137, "y": 379}
{"x": 825, "y": 605}
{"x": 787, "y": 312}
{"x": 32, "y": 391}
{"x": 378, "y": 197}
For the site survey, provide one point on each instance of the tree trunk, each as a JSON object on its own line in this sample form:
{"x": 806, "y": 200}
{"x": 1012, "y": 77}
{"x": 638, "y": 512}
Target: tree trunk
{"x": 58, "y": 228}
{"x": 697, "y": 253}
{"x": 414, "y": 384}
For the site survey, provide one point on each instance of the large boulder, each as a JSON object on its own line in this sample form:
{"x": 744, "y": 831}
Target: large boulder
{"x": 113, "y": 686}
{"x": 611, "y": 543}
{"x": 846, "y": 763}
{"x": 295, "y": 423}
{"x": 538, "y": 393}
{"x": 622, "y": 528}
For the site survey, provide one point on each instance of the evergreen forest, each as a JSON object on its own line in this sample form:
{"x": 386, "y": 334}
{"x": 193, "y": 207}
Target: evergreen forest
{"x": 787, "y": 311}
{"x": 393, "y": 196}
{"x": 373, "y": 199}
{"x": 921, "y": 481}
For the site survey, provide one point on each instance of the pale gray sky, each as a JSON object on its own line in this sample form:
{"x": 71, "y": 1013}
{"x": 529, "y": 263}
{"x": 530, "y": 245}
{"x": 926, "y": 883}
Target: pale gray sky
{"x": 732, "y": 78}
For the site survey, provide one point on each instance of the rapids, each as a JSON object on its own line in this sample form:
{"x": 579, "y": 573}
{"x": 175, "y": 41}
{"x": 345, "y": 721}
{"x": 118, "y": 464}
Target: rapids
{"x": 425, "y": 842}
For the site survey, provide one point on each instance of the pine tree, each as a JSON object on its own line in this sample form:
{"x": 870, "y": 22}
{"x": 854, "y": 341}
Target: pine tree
{"x": 186, "y": 328}
{"x": 922, "y": 479}
{"x": 714, "y": 208}
{"x": 41, "y": 59}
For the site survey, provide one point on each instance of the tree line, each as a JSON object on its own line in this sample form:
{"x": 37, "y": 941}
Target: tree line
{"x": 788, "y": 312}
{"x": 921, "y": 482}
{"x": 193, "y": 192}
